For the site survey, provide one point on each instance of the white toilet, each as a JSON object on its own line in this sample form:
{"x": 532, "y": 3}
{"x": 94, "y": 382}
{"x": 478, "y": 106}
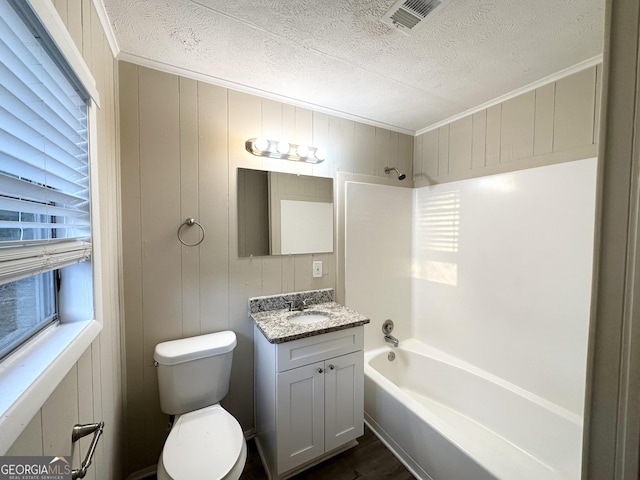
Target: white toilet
{"x": 205, "y": 440}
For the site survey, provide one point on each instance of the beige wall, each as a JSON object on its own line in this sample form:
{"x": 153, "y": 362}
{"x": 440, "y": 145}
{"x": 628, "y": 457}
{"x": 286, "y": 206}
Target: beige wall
{"x": 554, "y": 123}
{"x": 182, "y": 141}
{"x": 92, "y": 390}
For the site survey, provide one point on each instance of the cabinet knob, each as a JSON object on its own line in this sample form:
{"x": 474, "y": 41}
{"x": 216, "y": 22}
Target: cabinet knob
{"x": 320, "y": 370}
{"x": 331, "y": 366}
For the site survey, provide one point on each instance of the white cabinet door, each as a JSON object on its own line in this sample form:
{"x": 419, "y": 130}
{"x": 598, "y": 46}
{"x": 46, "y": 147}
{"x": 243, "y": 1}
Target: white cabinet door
{"x": 344, "y": 399}
{"x": 300, "y": 415}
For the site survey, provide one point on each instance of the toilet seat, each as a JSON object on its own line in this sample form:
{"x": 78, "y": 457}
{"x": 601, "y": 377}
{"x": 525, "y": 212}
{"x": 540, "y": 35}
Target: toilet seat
{"x": 206, "y": 443}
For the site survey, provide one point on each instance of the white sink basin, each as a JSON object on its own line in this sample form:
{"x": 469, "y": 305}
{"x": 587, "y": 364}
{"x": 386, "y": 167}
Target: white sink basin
{"x": 306, "y": 318}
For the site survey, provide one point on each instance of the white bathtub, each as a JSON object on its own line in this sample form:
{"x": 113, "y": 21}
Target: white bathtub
{"x": 447, "y": 420}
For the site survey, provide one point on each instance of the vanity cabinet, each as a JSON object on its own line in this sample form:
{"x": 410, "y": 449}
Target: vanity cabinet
{"x": 309, "y": 399}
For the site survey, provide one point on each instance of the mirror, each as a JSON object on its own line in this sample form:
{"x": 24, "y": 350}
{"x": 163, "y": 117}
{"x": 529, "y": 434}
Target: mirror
{"x": 283, "y": 213}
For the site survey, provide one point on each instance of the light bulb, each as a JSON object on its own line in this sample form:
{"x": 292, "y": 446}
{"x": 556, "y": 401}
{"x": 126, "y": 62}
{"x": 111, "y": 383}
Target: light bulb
{"x": 283, "y": 148}
{"x": 321, "y": 154}
{"x": 303, "y": 151}
{"x": 261, "y": 144}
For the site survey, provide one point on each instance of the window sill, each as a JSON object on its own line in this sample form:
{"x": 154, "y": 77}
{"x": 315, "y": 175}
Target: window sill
{"x": 29, "y": 376}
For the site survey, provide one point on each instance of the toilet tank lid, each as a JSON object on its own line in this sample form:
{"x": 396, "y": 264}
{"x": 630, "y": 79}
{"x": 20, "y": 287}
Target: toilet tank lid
{"x": 193, "y": 348}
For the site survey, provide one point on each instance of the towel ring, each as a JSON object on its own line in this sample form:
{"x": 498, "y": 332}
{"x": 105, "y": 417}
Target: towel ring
{"x": 190, "y": 222}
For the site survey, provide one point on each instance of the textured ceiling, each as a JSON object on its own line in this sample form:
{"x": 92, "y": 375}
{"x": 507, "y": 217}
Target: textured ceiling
{"x": 338, "y": 55}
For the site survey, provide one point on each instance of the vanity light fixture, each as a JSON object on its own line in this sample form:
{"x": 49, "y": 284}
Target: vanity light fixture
{"x": 285, "y": 151}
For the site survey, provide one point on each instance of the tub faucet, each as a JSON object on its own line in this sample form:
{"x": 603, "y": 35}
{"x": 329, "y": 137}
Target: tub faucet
{"x": 391, "y": 339}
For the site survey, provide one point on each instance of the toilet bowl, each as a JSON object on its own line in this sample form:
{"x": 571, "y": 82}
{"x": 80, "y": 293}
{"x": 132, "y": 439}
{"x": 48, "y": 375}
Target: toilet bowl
{"x": 205, "y": 441}
{"x": 205, "y": 444}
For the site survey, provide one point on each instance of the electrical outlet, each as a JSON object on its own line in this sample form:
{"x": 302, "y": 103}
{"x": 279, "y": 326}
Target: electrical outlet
{"x": 317, "y": 269}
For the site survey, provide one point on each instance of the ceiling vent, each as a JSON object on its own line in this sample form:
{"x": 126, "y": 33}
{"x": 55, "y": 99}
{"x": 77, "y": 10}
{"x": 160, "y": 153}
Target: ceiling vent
{"x": 406, "y": 15}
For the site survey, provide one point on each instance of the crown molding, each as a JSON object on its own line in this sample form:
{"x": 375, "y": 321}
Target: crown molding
{"x": 106, "y": 26}
{"x": 184, "y": 72}
{"x": 590, "y": 62}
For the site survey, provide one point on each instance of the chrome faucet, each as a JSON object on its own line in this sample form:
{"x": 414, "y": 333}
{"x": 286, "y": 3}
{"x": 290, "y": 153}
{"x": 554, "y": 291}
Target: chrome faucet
{"x": 391, "y": 339}
{"x": 302, "y": 304}
{"x": 387, "y": 328}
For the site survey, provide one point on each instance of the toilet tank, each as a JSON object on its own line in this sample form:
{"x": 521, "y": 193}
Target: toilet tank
{"x": 194, "y": 372}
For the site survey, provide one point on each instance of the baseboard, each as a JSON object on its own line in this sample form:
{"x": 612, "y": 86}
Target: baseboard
{"x": 263, "y": 460}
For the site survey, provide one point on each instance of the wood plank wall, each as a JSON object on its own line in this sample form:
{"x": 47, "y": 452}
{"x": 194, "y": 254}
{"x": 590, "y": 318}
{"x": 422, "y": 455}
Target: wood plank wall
{"x": 554, "y": 123}
{"x": 182, "y": 142}
{"x": 92, "y": 390}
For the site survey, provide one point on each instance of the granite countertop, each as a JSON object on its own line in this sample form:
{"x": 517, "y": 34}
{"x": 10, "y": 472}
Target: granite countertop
{"x": 278, "y": 328}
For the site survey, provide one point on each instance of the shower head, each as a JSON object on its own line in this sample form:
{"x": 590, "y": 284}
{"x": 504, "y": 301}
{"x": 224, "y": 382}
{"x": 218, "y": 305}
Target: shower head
{"x": 401, "y": 176}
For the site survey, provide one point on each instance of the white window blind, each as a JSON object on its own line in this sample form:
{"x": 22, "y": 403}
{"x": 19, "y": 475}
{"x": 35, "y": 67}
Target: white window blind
{"x": 44, "y": 172}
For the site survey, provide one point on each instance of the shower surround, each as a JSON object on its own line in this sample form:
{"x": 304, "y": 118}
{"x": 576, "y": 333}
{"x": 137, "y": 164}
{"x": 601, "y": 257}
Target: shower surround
{"x": 496, "y": 275}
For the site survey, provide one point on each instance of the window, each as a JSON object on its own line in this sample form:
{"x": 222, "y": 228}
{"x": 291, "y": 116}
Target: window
{"x": 44, "y": 175}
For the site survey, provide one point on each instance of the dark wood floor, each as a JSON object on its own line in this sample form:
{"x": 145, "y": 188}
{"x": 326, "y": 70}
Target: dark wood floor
{"x": 370, "y": 460}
